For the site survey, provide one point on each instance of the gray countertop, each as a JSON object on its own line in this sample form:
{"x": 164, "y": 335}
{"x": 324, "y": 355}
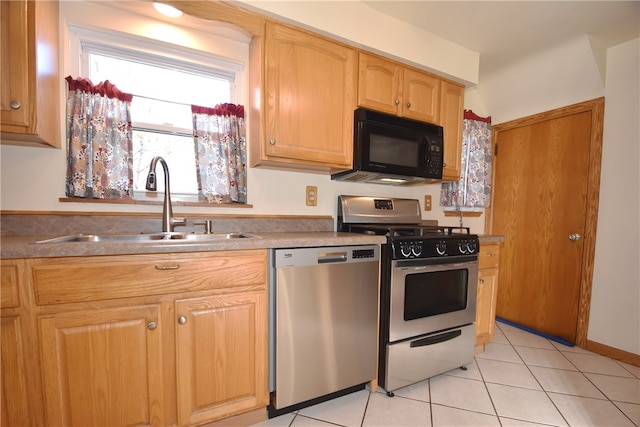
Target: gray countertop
{"x": 26, "y": 246}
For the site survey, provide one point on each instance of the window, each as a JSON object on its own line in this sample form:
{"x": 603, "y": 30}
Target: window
{"x": 164, "y": 82}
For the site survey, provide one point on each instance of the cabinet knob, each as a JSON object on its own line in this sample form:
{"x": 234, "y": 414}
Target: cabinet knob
{"x": 575, "y": 236}
{"x": 444, "y": 164}
{"x": 15, "y": 105}
{"x": 397, "y": 101}
{"x": 182, "y": 320}
{"x": 408, "y": 105}
{"x": 152, "y": 325}
{"x": 272, "y": 141}
{"x": 482, "y": 281}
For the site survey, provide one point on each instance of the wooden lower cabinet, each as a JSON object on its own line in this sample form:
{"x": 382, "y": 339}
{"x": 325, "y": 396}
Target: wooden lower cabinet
{"x": 221, "y": 343}
{"x": 488, "y": 262}
{"x": 15, "y": 396}
{"x": 103, "y": 367}
{"x": 185, "y": 343}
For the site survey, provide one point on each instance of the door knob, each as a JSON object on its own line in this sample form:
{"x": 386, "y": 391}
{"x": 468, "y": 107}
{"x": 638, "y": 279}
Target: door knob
{"x": 575, "y": 236}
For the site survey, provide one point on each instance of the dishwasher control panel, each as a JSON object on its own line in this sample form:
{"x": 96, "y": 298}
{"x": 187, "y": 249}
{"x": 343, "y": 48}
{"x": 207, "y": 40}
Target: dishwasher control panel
{"x": 363, "y": 253}
{"x": 298, "y": 257}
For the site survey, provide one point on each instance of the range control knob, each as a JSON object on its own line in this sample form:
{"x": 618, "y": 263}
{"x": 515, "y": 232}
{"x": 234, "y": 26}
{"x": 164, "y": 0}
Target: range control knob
{"x": 473, "y": 246}
{"x": 441, "y": 247}
{"x": 416, "y": 249}
{"x": 405, "y": 249}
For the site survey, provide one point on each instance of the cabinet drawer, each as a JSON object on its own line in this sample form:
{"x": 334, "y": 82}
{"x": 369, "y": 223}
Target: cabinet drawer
{"x": 489, "y": 255}
{"x": 9, "y": 296}
{"x": 64, "y": 280}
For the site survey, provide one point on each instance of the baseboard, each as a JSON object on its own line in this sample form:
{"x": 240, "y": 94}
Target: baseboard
{"x": 614, "y": 353}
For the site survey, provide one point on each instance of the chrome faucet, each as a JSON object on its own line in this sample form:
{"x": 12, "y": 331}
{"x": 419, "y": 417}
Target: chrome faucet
{"x": 168, "y": 220}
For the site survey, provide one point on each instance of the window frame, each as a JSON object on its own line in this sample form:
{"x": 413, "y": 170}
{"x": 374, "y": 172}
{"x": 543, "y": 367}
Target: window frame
{"x": 157, "y": 52}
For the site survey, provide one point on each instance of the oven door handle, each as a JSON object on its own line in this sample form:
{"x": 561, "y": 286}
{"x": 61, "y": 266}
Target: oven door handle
{"x": 436, "y": 340}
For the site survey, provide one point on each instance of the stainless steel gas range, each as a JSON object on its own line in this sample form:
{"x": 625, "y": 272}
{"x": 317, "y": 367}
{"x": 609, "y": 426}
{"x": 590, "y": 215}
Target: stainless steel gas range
{"x": 428, "y": 289}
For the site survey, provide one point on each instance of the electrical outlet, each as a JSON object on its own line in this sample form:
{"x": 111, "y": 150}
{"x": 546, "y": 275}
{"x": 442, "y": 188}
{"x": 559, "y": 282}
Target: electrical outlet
{"x": 312, "y": 195}
{"x": 427, "y": 202}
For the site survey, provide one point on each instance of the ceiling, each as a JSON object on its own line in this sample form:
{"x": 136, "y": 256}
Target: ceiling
{"x": 504, "y": 31}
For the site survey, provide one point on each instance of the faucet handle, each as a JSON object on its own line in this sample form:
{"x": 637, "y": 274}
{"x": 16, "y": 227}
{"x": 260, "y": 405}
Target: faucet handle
{"x": 208, "y": 225}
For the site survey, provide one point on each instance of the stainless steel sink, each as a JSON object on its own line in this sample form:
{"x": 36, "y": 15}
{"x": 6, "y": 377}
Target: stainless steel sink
{"x": 148, "y": 237}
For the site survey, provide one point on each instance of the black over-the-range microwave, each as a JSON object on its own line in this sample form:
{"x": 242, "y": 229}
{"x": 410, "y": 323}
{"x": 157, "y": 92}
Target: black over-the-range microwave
{"x": 394, "y": 150}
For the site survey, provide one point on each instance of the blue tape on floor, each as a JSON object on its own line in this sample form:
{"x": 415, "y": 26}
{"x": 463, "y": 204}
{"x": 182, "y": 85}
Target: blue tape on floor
{"x": 533, "y": 331}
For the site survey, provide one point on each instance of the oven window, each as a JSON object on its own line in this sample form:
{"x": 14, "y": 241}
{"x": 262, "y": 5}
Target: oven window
{"x": 433, "y": 293}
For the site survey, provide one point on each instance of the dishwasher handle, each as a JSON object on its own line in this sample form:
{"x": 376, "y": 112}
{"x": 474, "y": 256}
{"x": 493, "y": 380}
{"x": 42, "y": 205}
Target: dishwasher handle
{"x": 329, "y": 257}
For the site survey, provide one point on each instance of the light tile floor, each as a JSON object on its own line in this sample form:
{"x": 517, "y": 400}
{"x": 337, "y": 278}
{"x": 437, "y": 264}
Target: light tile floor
{"x": 521, "y": 379}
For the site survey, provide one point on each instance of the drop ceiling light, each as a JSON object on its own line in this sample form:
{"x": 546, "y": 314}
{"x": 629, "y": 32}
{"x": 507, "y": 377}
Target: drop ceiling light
{"x": 167, "y": 10}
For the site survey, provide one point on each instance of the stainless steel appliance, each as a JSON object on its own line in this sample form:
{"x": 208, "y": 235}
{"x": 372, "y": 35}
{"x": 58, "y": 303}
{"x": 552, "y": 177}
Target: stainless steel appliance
{"x": 394, "y": 150}
{"x": 323, "y": 323}
{"x": 428, "y": 289}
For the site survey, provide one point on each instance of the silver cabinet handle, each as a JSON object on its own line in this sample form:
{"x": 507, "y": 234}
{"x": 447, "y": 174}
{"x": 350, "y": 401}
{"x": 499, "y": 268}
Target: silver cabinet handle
{"x": 15, "y": 105}
{"x": 182, "y": 320}
{"x": 575, "y": 236}
{"x": 152, "y": 325}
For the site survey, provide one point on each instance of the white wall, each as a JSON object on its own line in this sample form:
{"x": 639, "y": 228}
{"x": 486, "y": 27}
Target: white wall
{"x": 615, "y": 303}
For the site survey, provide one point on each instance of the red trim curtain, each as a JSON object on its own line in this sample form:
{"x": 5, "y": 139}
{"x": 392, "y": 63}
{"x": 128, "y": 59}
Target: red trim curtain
{"x": 99, "y": 141}
{"x": 474, "y": 188}
{"x": 221, "y": 153}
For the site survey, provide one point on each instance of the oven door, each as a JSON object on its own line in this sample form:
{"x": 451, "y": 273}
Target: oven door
{"x": 429, "y": 295}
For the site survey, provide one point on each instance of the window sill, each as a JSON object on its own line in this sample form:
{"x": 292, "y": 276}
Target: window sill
{"x": 149, "y": 202}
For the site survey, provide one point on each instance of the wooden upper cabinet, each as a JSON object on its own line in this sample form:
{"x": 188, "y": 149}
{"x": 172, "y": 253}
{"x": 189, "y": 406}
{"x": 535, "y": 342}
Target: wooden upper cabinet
{"x": 451, "y": 119}
{"x": 306, "y": 102}
{"x": 388, "y": 86}
{"x": 379, "y": 84}
{"x": 30, "y": 80}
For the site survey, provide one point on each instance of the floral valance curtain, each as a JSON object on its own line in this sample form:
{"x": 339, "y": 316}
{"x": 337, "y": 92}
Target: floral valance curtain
{"x": 221, "y": 153}
{"x": 474, "y": 188}
{"x": 99, "y": 141}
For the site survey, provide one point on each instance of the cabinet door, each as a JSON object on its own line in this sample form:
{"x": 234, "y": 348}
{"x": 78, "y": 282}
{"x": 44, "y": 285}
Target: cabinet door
{"x": 379, "y": 84}
{"x": 15, "y": 64}
{"x": 451, "y": 117}
{"x": 103, "y": 367}
{"x": 15, "y": 396}
{"x": 420, "y": 96}
{"x": 486, "y": 306}
{"x": 309, "y": 99}
{"x": 221, "y": 356}
{"x": 30, "y": 80}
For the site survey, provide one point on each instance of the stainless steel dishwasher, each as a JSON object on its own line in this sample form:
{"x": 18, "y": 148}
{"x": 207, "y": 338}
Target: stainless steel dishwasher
{"x": 323, "y": 316}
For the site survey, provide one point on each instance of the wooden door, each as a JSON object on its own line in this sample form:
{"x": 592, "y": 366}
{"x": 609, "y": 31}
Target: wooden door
{"x": 221, "y": 356}
{"x": 310, "y": 90}
{"x": 545, "y": 193}
{"x": 103, "y": 367}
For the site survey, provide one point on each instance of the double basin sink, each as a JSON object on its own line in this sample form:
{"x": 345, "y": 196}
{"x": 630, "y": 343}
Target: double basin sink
{"x": 148, "y": 237}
